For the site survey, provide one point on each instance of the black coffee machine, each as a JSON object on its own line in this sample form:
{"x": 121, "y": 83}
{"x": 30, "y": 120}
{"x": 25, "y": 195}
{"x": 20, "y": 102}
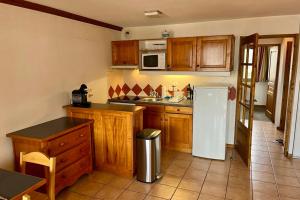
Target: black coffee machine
{"x": 79, "y": 97}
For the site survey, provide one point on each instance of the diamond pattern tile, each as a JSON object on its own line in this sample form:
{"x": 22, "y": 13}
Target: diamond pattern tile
{"x": 148, "y": 89}
{"x": 125, "y": 89}
{"x": 136, "y": 89}
{"x": 111, "y": 92}
{"x": 118, "y": 90}
{"x": 159, "y": 90}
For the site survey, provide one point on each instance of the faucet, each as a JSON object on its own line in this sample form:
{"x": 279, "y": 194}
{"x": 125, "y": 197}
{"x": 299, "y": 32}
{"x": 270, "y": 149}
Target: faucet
{"x": 153, "y": 93}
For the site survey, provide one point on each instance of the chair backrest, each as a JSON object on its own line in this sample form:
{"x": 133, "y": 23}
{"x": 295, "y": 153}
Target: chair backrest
{"x": 41, "y": 159}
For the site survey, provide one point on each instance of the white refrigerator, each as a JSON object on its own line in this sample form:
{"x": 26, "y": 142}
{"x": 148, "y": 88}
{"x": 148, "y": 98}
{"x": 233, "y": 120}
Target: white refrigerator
{"x": 210, "y": 121}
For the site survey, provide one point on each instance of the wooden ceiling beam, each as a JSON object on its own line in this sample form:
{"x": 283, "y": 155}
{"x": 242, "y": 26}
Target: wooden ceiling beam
{"x": 58, "y": 12}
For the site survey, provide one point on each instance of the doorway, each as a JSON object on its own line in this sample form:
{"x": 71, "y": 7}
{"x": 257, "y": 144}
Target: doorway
{"x": 274, "y": 65}
{"x": 268, "y": 97}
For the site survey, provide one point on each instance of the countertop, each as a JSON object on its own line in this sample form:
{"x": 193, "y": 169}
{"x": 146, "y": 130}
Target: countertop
{"x": 137, "y": 100}
{"x": 51, "y": 128}
{"x": 110, "y": 107}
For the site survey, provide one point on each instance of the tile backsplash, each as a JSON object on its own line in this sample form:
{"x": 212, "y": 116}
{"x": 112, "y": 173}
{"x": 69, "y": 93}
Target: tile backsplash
{"x": 138, "y": 90}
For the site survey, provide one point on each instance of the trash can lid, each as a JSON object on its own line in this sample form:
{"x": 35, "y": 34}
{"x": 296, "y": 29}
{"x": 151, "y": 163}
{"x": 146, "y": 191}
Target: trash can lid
{"x": 148, "y": 134}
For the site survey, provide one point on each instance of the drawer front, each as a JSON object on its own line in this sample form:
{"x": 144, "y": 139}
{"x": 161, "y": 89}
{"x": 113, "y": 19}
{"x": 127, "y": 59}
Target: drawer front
{"x": 175, "y": 109}
{"x": 69, "y": 175}
{"x": 67, "y": 141}
{"x": 72, "y": 155}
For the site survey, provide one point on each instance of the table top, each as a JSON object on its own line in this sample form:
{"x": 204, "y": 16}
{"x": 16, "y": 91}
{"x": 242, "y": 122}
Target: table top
{"x": 108, "y": 107}
{"x": 14, "y": 185}
{"x": 50, "y": 129}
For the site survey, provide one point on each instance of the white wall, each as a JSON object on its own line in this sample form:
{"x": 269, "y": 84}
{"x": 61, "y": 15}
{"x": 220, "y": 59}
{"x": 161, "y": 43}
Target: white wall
{"x": 42, "y": 59}
{"x": 261, "y": 93}
{"x": 238, "y": 27}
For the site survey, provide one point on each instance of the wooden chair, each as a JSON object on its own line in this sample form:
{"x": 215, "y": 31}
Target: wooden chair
{"x": 40, "y": 159}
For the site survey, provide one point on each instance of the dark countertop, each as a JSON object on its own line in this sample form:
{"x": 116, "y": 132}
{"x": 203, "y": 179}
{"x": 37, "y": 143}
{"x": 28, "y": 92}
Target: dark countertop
{"x": 50, "y": 129}
{"x": 110, "y": 107}
{"x": 14, "y": 184}
{"x": 137, "y": 100}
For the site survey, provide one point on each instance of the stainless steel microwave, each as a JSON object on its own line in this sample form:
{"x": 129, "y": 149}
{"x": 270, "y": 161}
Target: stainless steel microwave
{"x": 154, "y": 60}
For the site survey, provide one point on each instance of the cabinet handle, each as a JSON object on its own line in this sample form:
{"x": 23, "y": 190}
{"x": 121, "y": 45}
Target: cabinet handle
{"x": 178, "y": 109}
{"x": 81, "y": 135}
{"x": 61, "y": 144}
{"x": 197, "y": 66}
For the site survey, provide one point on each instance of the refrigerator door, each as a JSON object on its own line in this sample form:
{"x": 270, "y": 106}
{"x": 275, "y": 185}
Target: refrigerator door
{"x": 209, "y": 122}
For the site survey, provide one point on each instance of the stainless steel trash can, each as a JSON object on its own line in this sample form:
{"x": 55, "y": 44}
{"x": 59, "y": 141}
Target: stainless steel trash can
{"x": 148, "y": 155}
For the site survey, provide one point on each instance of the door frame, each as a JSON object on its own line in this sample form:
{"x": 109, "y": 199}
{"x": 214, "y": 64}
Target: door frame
{"x": 286, "y": 80}
{"x": 291, "y": 87}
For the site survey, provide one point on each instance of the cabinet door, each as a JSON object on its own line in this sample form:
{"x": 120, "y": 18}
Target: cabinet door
{"x": 178, "y": 129}
{"x": 215, "y": 53}
{"x": 181, "y": 54}
{"x": 125, "y": 52}
{"x": 116, "y": 154}
{"x": 155, "y": 120}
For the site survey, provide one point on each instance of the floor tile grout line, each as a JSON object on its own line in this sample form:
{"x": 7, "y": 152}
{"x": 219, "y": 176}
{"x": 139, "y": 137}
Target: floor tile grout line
{"x": 278, "y": 194}
{"x": 182, "y": 178}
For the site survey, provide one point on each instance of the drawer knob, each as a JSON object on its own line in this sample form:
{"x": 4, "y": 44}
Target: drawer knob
{"x": 178, "y": 109}
{"x": 81, "y": 135}
{"x": 61, "y": 144}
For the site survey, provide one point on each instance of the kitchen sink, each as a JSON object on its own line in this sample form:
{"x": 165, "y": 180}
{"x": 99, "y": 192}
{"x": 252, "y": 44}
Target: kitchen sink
{"x": 151, "y": 99}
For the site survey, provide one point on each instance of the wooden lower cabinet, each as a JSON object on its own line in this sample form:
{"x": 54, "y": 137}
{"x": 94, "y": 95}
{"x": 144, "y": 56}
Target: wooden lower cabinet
{"x": 114, "y": 137}
{"x": 178, "y": 129}
{"x": 155, "y": 120}
{"x": 175, "y": 124}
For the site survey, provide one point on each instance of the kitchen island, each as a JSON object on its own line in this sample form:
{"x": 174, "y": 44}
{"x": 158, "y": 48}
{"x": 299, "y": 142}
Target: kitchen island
{"x": 115, "y": 127}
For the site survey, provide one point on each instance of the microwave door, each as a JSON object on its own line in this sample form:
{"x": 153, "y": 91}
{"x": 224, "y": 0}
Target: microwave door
{"x": 150, "y": 61}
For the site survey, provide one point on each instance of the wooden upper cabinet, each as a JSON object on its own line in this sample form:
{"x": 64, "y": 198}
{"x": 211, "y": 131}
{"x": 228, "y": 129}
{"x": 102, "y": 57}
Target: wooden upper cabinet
{"x": 125, "y": 52}
{"x": 215, "y": 53}
{"x": 181, "y": 54}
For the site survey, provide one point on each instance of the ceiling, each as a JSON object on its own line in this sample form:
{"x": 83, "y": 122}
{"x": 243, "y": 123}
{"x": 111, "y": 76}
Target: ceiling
{"x": 127, "y": 13}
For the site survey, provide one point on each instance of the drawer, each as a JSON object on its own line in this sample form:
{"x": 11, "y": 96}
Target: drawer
{"x": 69, "y": 175}
{"x": 182, "y": 110}
{"x": 67, "y": 141}
{"x": 66, "y": 158}
{"x": 154, "y": 108}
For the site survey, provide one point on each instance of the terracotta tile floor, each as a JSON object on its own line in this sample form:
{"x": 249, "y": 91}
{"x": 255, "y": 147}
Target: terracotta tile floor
{"x": 271, "y": 177}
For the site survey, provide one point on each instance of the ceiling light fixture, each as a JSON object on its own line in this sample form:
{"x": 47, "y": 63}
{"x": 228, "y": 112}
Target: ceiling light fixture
{"x": 152, "y": 13}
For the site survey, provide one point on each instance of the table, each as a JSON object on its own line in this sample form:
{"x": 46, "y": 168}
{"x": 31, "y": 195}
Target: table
{"x": 13, "y": 185}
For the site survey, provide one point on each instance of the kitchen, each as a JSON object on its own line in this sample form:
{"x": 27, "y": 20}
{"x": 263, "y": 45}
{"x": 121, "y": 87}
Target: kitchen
{"x": 72, "y": 46}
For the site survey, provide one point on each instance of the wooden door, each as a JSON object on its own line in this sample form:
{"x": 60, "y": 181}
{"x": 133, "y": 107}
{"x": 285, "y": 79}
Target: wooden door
{"x": 125, "y": 52}
{"x": 215, "y": 53}
{"x": 178, "y": 129}
{"x": 270, "y": 101}
{"x": 287, "y": 68}
{"x": 245, "y": 97}
{"x": 181, "y": 54}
